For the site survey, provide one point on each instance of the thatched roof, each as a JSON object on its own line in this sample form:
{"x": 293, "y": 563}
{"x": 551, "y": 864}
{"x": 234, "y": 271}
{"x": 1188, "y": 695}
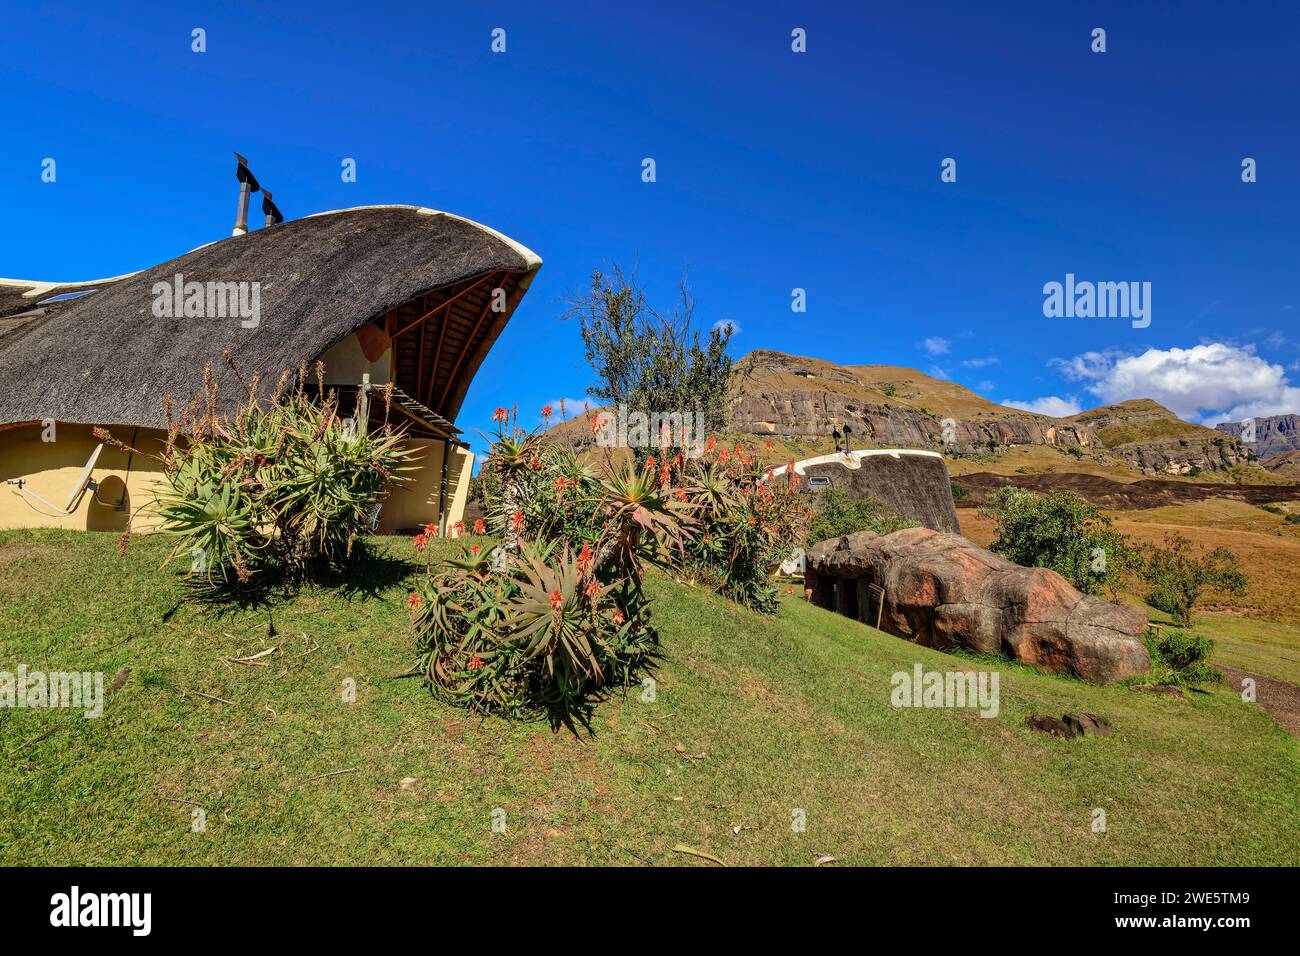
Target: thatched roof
{"x": 25, "y": 295}
{"x": 106, "y": 359}
{"x": 913, "y": 482}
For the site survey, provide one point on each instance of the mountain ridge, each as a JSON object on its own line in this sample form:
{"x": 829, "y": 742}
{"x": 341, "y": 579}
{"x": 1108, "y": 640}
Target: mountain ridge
{"x": 777, "y": 394}
{"x": 1274, "y": 434}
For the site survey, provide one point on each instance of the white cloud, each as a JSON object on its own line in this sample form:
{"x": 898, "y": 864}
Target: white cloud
{"x": 728, "y": 323}
{"x": 981, "y": 362}
{"x": 1051, "y": 405}
{"x": 935, "y": 372}
{"x": 987, "y": 386}
{"x": 935, "y": 345}
{"x": 1210, "y": 383}
{"x": 1087, "y": 367}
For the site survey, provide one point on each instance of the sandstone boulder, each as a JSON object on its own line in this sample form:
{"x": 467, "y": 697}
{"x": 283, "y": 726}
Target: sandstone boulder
{"x": 943, "y": 591}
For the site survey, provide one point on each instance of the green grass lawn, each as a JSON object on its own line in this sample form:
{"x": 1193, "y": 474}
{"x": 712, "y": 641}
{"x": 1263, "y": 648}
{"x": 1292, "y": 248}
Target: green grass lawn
{"x": 755, "y": 718}
{"x": 1260, "y": 647}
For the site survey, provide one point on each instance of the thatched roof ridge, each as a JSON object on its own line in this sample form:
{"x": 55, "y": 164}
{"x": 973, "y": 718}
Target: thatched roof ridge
{"x": 106, "y": 359}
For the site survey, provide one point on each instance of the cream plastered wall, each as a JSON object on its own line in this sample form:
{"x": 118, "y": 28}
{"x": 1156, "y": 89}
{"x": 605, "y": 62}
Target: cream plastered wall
{"x": 127, "y": 483}
{"x": 346, "y": 363}
{"x": 51, "y": 468}
{"x": 415, "y": 504}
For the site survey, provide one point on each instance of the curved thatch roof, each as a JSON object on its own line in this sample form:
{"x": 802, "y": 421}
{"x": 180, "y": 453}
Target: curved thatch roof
{"x": 913, "y": 482}
{"x": 22, "y": 295}
{"x": 106, "y": 359}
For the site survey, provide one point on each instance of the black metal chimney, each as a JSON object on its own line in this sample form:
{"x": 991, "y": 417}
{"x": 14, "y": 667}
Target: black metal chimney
{"x": 247, "y": 186}
{"x": 272, "y": 211}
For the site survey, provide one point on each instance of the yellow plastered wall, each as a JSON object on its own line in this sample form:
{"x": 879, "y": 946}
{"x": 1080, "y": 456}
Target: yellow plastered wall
{"x": 415, "y": 504}
{"x": 127, "y": 484}
{"x": 50, "y": 468}
{"x": 459, "y": 469}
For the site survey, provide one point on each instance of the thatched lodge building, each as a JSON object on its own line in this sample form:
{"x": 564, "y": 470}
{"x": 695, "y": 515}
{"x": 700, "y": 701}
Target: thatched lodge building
{"x": 378, "y": 294}
{"x": 913, "y": 482}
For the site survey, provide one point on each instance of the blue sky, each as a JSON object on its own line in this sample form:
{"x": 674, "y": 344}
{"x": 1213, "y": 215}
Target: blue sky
{"x": 775, "y": 170}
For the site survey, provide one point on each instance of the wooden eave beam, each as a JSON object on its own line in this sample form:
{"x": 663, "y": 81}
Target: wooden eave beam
{"x": 469, "y": 344}
{"x": 443, "y": 304}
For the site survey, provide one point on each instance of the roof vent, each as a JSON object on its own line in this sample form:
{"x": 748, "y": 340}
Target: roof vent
{"x": 248, "y": 185}
{"x": 272, "y": 211}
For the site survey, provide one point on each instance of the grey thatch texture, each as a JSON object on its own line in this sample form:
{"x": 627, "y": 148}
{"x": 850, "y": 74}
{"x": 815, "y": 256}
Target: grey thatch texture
{"x": 915, "y": 484}
{"x": 106, "y": 359}
{"x": 19, "y": 296}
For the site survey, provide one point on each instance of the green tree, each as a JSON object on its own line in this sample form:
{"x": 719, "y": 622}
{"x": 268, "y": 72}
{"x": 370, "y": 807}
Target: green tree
{"x": 836, "y": 513}
{"x": 1177, "y": 576}
{"x": 651, "y": 360}
{"x": 1063, "y": 532}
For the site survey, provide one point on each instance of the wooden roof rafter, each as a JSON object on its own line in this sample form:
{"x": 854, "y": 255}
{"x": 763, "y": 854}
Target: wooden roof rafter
{"x": 445, "y": 303}
{"x": 467, "y": 347}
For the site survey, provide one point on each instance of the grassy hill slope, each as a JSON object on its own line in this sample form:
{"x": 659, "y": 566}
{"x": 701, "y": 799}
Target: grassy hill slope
{"x": 1141, "y": 420}
{"x": 755, "y": 717}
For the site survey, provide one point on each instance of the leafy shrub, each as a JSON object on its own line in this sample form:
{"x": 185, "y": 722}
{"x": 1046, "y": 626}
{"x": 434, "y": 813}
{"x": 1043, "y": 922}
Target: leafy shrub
{"x": 278, "y": 487}
{"x": 959, "y": 493}
{"x": 555, "y": 615}
{"x": 1273, "y": 509}
{"x": 546, "y": 632}
{"x": 1180, "y": 657}
{"x": 1293, "y": 518}
{"x": 1177, "y": 576}
{"x": 1076, "y": 451}
{"x": 1063, "y": 532}
{"x": 747, "y": 524}
{"x": 836, "y": 513}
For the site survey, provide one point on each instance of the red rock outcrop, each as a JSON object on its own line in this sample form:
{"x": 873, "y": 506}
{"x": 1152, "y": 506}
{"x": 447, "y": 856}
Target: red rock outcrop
{"x": 942, "y": 591}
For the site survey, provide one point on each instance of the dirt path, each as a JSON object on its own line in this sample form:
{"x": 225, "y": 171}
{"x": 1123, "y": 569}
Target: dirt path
{"x": 1280, "y": 699}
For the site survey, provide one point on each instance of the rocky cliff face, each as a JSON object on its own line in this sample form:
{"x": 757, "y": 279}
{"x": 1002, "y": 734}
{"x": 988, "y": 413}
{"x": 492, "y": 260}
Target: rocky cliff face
{"x": 1275, "y": 435}
{"x": 1286, "y": 464}
{"x": 885, "y": 406}
{"x": 1154, "y": 440}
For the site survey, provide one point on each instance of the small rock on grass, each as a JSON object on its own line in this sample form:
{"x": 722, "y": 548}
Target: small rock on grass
{"x": 1070, "y": 726}
{"x": 1052, "y": 726}
{"x": 1166, "y": 690}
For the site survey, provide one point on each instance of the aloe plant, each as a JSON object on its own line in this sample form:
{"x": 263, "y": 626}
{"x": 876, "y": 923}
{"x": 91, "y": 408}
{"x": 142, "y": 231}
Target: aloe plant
{"x": 276, "y": 485}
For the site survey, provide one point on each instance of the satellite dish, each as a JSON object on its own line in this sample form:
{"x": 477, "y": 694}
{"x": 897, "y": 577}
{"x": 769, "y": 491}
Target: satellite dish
{"x": 83, "y": 479}
{"x": 78, "y": 489}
